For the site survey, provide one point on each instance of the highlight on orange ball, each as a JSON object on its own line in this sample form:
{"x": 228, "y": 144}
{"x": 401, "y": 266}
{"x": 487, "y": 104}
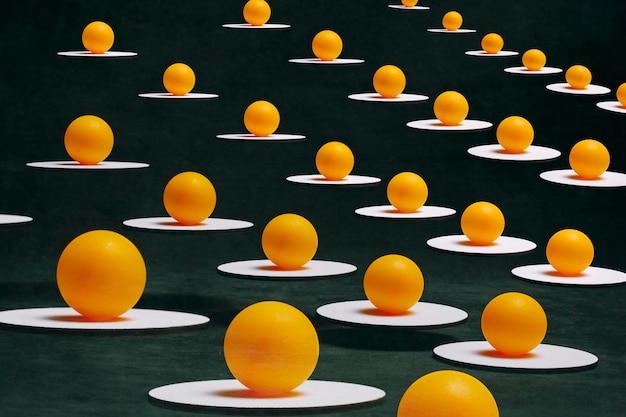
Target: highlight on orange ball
{"x": 451, "y": 108}
{"x": 289, "y": 241}
{"x": 101, "y": 274}
{"x": 271, "y": 347}
{"x": 492, "y": 43}
{"x": 620, "y": 94}
{"x": 482, "y": 223}
{"x": 393, "y": 283}
{"x": 569, "y": 252}
{"x": 534, "y": 59}
{"x": 452, "y": 20}
{"x": 514, "y": 323}
{"x": 261, "y": 118}
{"x": 515, "y": 134}
{"x": 179, "y": 79}
{"x": 257, "y": 12}
{"x": 578, "y": 77}
{"x": 407, "y": 192}
{"x": 409, "y": 3}
{"x": 389, "y": 81}
{"x": 589, "y": 158}
{"x": 98, "y": 37}
{"x": 327, "y": 45}
{"x": 334, "y": 160}
{"x": 189, "y": 198}
{"x": 88, "y": 140}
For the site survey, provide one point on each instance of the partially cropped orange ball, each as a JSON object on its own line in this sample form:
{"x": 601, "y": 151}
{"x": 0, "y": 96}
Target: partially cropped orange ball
{"x": 578, "y": 77}
{"x": 393, "y": 283}
{"x": 452, "y": 20}
{"x": 389, "y": 81}
{"x": 621, "y": 94}
{"x": 257, "y": 12}
{"x": 289, "y": 241}
{"x": 261, "y": 118}
{"x": 327, "y": 45}
{"x": 515, "y": 134}
{"x": 492, "y": 43}
{"x": 409, "y": 3}
{"x": 569, "y": 251}
{"x": 88, "y": 140}
{"x": 189, "y": 197}
{"x": 334, "y": 160}
{"x": 451, "y": 108}
{"x": 482, "y": 222}
{"x": 407, "y": 192}
{"x": 179, "y": 79}
{"x": 589, "y": 158}
{"x": 98, "y": 37}
{"x": 534, "y": 59}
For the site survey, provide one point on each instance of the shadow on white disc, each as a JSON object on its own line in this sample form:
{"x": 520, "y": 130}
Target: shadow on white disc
{"x": 487, "y": 54}
{"x": 318, "y": 179}
{"x": 569, "y": 177}
{"x": 461, "y": 244}
{"x": 264, "y": 268}
{"x": 169, "y": 224}
{"x": 390, "y": 212}
{"x": 435, "y": 124}
{"x": 590, "y": 90}
{"x": 88, "y": 54}
{"x": 188, "y": 96}
{"x": 274, "y": 137}
{"x": 526, "y": 71}
{"x": 400, "y": 98}
{"x": 230, "y": 393}
{"x": 613, "y": 106}
{"x": 422, "y": 314}
{"x": 104, "y": 165}
{"x": 67, "y": 319}
{"x": 336, "y": 61}
{"x": 543, "y": 357}
{"x": 592, "y": 276}
{"x": 403, "y": 7}
{"x": 532, "y": 153}
{"x": 256, "y": 27}
{"x": 458, "y": 31}
{"x": 8, "y": 219}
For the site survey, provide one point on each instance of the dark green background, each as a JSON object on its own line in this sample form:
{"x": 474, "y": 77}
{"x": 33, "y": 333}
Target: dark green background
{"x": 81, "y": 374}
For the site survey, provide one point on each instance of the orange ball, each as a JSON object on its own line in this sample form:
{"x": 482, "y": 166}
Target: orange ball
{"x": 98, "y": 37}
{"x": 447, "y": 393}
{"x": 271, "y": 348}
{"x": 534, "y": 59}
{"x": 409, "y": 3}
{"x": 327, "y": 45}
{"x": 334, "y": 160}
{"x": 179, "y": 79}
{"x": 393, "y": 283}
{"x": 515, "y": 134}
{"x": 621, "y": 94}
{"x": 257, "y": 12}
{"x": 451, "y": 108}
{"x": 407, "y": 192}
{"x": 101, "y": 274}
{"x": 189, "y": 198}
{"x": 492, "y": 43}
{"x": 88, "y": 140}
{"x": 514, "y": 323}
{"x": 261, "y": 118}
{"x": 569, "y": 251}
{"x": 578, "y": 77}
{"x": 289, "y": 241}
{"x": 482, "y": 222}
{"x": 389, "y": 81}
{"x": 452, "y": 20}
{"x": 589, "y": 158}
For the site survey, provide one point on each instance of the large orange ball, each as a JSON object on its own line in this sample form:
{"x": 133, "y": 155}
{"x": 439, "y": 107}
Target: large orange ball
{"x": 261, "y": 118}
{"x": 534, "y": 59}
{"x": 569, "y": 251}
{"x": 179, "y": 79}
{"x": 289, "y": 241}
{"x": 482, "y": 222}
{"x": 589, "y": 158}
{"x": 492, "y": 43}
{"x": 578, "y": 77}
{"x": 407, "y": 192}
{"x": 257, "y": 12}
{"x": 389, "y": 81}
{"x": 189, "y": 197}
{"x": 334, "y": 160}
{"x": 88, "y": 140}
{"x": 515, "y": 134}
{"x": 98, "y": 37}
{"x": 452, "y": 20}
{"x": 451, "y": 108}
{"x": 327, "y": 45}
{"x": 620, "y": 93}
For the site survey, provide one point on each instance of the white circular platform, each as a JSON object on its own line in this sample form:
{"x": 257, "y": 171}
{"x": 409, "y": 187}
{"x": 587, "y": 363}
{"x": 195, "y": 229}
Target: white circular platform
{"x": 532, "y": 153}
{"x": 250, "y": 137}
{"x": 104, "y": 165}
{"x": 88, "y": 54}
{"x": 318, "y": 179}
{"x": 68, "y": 319}
{"x": 264, "y": 268}
{"x": 526, "y": 71}
{"x": 188, "y": 96}
{"x": 403, "y": 7}
{"x": 613, "y": 106}
{"x": 592, "y": 276}
{"x": 317, "y": 61}
{"x": 390, "y": 212}
{"x": 543, "y": 357}
{"x": 486, "y": 54}
{"x": 569, "y": 177}
{"x": 400, "y": 98}
{"x": 435, "y": 124}
{"x": 458, "y": 31}
{"x": 591, "y": 89}
{"x": 8, "y": 219}
{"x": 256, "y": 27}
{"x": 169, "y": 224}
{"x": 420, "y": 315}
{"x": 461, "y": 244}
{"x": 230, "y": 393}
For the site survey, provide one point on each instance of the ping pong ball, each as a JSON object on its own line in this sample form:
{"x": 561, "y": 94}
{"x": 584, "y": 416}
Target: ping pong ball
{"x": 327, "y": 45}
{"x": 179, "y": 79}
{"x": 534, "y": 59}
{"x": 447, "y": 393}
{"x": 515, "y": 134}
{"x": 271, "y": 347}
{"x": 452, "y": 20}
{"x": 589, "y": 158}
{"x": 393, "y": 283}
{"x": 407, "y": 192}
{"x": 289, "y": 241}
{"x": 256, "y": 12}
{"x": 101, "y": 274}
{"x": 98, "y": 37}
{"x": 261, "y": 118}
{"x": 189, "y": 197}
{"x": 409, "y": 3}
{"x": 88, "y": 140}
{"x": 578, "y": 77}
{"x": 569, "y": 251}
{"x": 621, "y": 94}
{"x": 492, "y": 43}
{"x": 482, "y": 222}
{"x": 389, "y": 81}
{"x": 514, "y": 323}
{"x": 451, "y": 108}
{"x": 334, "y": 160}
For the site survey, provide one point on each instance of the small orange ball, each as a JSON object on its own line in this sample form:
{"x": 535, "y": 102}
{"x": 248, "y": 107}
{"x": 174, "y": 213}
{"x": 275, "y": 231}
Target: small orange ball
{"x": 257, "y": 12}
{"x": 334, "y": 160}
{"x": 482, "y": 223}
{"x": 621, "y": 94}
{"x": 189, "y": 198}
{"x": 179, "y": 79}
{"x": 393, "y": 283}
{"x": 514, "y": 323}
{"x": 98, "y": 37}
{"x": 88, "y": 140}
{"x": 407, "y": 192}
{"x": 289, "y": 241}
{"x": 389, "y": 81}
{"x": 569, "y": 251}
{"x": 271, "y": 348}
{"x": 589, "y": 158}
{"x": 261, "y": 118}
{"x": 492, "y": 43}
{"x": 451, "y": 108}
{"x": 578, "y": 77}
{"x": 534, "y": 59}
{"x": 515, "y": 134}
{"x": 101, "y": 274}
{"x": 409, "y": 3}
{"x": 452, "y": 20}
{"x": 327, "y": 45}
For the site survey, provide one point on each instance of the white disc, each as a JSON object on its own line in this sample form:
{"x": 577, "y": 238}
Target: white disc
{"x": 400, "y": 98}
{"x": 486, "y": 54}
{"x": 461, "y": 244}
{"x": 403, "y": 7}
{"x": 532, "y": 153}
{"x": 569, "y": 177}
{"x": 188, "y": 96}
{"x": 317, "y": 61}
{"x": 590, "y": 90}
{"x": 543, "y": 357}
{"x": 390, "y": 212}
{"x": 435, "y": 124}
{"x": 88, "y": 54}
{"x": 104, "y": 165}
{"x": 458, "y": 31}
{"x": 264, "y": 268}
{"x": 591, "y": 276}
{"x": 526, "y": 71}
{"x": 614, "y": 106}
{"x": 250, "y": 137}
{"x": 256, "y": 27}
{"x": 7, "y": 219}
{"x": 318, "y": 179}
{"x": 169, "y": 224}
{"x": 230, "y": 393}
{"x": 422, "y": 314}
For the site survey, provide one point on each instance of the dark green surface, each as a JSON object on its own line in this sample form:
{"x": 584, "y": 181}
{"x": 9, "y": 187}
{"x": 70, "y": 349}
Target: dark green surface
{"x": 52, "y": 374}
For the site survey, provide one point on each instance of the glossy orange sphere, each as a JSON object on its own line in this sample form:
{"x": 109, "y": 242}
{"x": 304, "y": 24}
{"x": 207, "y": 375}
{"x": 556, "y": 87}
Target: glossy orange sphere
{"x": 261, "y": 118}
{"x": 534, "y": 59}
{"x": 452, "y": 20}
{"x": 482, "y": 222}
{"x": 88, "y": 140}
{"x": 407, "y": 192}
{"x": 492, "y": 43}
{"x": 451, "y": 108}
{"x": 257, "y": 12}
{"x": 189, "y": 197}
{"x": 289, "y": 241}
{"x": 621, "y": 94}
{"x": 327, "y": 45}
{"x": 98, "y": 37}
{"x": 334, "y": 160}
{"x": 589, "y": 158}
{"x": 569, "y": 251}
{"x": 515, "y": 134}
{"x": 389, "y": 81}
{"x": 179, "y": 79}
{"x": 578, "y": 77}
